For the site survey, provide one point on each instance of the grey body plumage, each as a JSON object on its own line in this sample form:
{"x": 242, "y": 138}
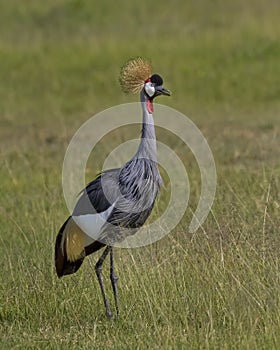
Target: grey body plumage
{"x": 124, "y": 196}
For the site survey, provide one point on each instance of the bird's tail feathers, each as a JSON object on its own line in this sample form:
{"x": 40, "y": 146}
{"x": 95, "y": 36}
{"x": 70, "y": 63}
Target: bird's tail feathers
{"x": 69, "y": 248}
{"x": 73, "y": 240}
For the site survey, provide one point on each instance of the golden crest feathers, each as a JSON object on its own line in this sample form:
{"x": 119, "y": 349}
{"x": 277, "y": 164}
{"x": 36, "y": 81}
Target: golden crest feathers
{"x": 134, "y": 73}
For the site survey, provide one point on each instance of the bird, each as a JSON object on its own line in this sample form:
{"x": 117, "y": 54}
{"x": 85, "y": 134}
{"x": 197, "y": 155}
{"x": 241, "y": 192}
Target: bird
{"x": 117, "y": 203}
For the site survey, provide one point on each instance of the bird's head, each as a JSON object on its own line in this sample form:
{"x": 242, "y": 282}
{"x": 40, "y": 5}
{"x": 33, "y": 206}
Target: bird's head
{"x": 136, "y": 77}
{"x": 153, "y": 88}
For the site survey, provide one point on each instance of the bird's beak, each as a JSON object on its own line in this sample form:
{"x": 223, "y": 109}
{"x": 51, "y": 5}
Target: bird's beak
{"x": 160, "y": 90}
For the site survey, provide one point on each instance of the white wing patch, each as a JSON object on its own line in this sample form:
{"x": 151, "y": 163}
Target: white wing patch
{"x": 91, "y": 224}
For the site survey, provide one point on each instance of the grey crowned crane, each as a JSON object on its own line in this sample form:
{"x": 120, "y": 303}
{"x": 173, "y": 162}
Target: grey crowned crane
{"x": 119, "y": 201}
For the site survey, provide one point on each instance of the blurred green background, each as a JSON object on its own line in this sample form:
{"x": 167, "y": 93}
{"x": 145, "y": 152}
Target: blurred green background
{"x": 59, "y": 65}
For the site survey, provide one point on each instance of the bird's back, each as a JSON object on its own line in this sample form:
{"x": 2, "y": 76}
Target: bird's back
{"x": 127, "y": 194}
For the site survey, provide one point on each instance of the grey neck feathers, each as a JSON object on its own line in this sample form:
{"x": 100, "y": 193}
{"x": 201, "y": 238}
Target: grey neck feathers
{"x": 147, "y": 148}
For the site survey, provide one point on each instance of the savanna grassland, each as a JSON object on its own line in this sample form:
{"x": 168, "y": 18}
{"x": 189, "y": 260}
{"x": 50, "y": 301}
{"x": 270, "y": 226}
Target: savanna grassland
{"x": 217, "y": 288}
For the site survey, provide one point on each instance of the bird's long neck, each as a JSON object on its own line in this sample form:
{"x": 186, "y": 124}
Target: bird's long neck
{"x": 147, "y": 148}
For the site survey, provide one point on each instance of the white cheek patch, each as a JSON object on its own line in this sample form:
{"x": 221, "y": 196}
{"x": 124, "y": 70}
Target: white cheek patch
{"x": 150, "y": 89}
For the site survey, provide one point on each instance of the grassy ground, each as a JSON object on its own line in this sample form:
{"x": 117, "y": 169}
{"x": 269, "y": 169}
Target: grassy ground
{"x": 215, "y": 289}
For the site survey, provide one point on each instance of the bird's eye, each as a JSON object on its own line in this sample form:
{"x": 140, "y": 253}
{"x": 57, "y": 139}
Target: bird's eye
{"x": 150, "y": 89}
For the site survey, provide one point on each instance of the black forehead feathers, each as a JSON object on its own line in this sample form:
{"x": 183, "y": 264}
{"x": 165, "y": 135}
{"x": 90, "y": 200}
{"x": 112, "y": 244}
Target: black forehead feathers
{"x": 156, "y": 79}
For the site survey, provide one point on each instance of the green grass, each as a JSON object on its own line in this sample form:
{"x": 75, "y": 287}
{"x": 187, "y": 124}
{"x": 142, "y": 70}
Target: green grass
{"x": 215, "y": 289}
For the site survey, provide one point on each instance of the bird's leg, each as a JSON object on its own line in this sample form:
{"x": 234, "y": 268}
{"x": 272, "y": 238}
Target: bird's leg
{"x": 114, "y": 279}
{"x": 98, "y": 270}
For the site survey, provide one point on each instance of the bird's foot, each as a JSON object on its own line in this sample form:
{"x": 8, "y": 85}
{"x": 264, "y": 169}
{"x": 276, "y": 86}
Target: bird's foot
{"x": 109, "y": 313}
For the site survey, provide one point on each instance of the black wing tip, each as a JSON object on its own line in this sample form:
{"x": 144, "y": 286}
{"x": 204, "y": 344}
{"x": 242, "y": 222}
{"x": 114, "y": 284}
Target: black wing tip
{"x": 69, "y": 268}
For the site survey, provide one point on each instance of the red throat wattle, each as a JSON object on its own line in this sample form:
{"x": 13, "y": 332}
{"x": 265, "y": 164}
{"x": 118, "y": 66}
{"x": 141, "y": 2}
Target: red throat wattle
{"x": 150, "y": 106}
